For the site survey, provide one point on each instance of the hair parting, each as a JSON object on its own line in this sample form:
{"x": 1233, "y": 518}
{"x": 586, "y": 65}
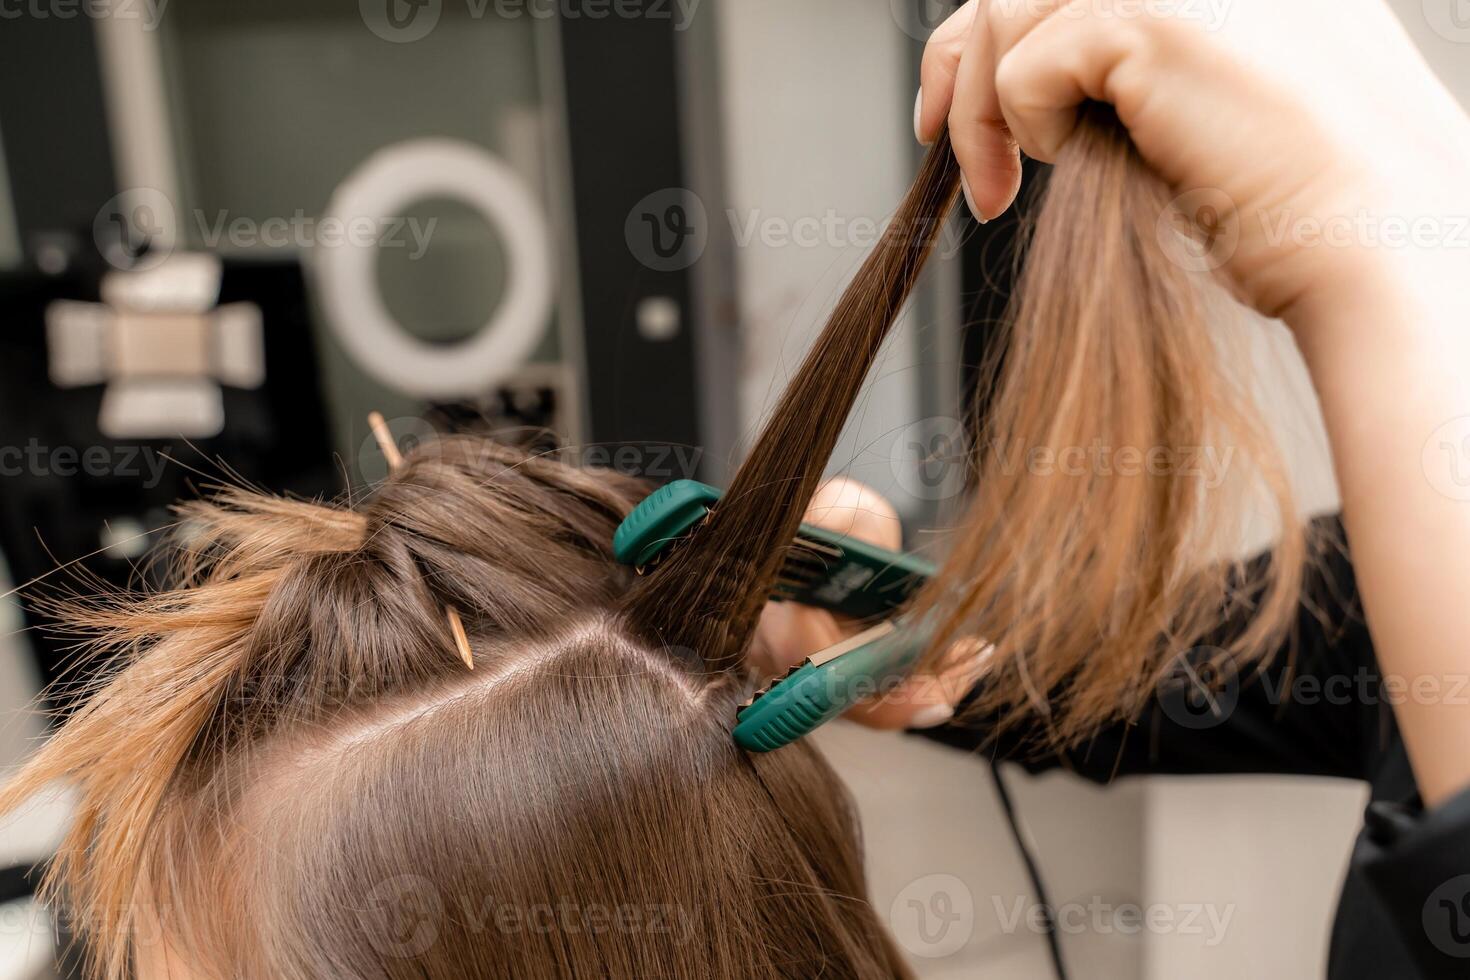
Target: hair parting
{"x": 289, "y": 763}
{"x": 291, "y": 774}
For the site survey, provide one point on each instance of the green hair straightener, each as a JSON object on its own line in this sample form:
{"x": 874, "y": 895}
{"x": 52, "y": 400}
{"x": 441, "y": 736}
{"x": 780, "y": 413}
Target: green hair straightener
{"x": 823, "y": 569}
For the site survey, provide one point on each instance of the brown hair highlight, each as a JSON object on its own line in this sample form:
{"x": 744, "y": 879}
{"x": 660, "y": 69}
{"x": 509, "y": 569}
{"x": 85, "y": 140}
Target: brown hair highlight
{"x": 291, "y": 766}
{"x": 1092, "y": 582}
{"x": 292, "y": 774}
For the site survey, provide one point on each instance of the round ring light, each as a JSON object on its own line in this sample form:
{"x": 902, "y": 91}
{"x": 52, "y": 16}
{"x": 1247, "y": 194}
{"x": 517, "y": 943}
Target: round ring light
{"x": 382, "y": 188}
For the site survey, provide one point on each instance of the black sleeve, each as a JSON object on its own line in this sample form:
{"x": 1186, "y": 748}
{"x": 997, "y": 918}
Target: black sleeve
{"x": 1304, "y": 712}
{"x": 1418, "y": 864}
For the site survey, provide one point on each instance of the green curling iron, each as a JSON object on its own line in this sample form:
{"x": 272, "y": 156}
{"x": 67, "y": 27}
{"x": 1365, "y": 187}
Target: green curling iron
{"x": 823, "y": 569}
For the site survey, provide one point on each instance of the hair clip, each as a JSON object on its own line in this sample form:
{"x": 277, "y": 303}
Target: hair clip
{"x": 822, "y": 568}
{"x": 389, "y": 448}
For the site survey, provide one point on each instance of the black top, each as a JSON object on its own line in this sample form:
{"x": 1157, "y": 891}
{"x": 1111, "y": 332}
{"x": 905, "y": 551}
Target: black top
{"x": 1404, "y": 911}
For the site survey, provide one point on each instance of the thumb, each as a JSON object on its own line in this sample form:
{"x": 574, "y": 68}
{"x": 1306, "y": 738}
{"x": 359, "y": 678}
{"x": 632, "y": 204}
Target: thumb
{"x": 927, "y": 700}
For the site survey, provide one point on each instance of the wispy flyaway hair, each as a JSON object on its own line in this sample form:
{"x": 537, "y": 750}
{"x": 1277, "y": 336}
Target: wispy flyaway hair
{"x": 292, "y": 773}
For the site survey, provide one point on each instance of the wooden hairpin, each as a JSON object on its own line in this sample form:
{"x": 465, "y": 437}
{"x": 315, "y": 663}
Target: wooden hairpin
{"x": 389, "y": 447}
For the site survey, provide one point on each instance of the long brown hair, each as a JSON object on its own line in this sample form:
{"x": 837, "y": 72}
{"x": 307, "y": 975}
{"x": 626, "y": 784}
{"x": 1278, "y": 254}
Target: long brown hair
{"x": 294, "y": 752}
{"x": 1088, "y": 582}
{"x": 1092, "y": 579}
{"x": 295, "y": 775}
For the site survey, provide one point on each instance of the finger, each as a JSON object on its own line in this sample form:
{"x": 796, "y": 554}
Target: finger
{"x": 984, "y": 146}
{"x": 1049, "y": 72}
{"x": 847, "y": 507}
{"x": 937, "y": 71}
{"x": 928, "y": 700}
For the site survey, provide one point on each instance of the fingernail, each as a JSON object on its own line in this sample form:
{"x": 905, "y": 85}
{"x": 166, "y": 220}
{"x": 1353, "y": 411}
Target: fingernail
{"x": 918, "y": 111}
{"x": 935, "y": 714}
{"x": 970, "y": 200}
{"x": 972, "y": 654}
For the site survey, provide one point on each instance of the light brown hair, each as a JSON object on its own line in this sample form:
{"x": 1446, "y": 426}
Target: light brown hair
{"x": 1090, "y": 584}
{"x": 293, "y": 753}
{"x": 293, "y": 749}
{"x": 1093, "y": 580}
{"x": 294, "y": 775}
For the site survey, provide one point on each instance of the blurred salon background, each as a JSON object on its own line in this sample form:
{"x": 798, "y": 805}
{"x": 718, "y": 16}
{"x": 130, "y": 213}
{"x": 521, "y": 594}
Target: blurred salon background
{"x": 230, "y": 230}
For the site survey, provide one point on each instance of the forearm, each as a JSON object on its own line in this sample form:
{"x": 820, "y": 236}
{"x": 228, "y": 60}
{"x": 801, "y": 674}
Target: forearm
{"x": 1389, "y": 352}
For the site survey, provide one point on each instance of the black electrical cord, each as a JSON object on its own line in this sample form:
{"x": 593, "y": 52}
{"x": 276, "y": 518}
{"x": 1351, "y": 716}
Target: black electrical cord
{"x": 1053, "y": 943}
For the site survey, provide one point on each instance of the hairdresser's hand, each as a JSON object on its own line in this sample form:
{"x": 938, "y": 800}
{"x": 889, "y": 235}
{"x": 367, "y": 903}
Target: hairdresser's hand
{"x": 790, "y": 632}
{"x": 1300, "y": 115}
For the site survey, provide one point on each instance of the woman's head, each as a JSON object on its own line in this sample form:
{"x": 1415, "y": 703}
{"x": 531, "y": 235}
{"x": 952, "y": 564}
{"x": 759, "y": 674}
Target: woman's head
{"x": 294, "y": 766}
{"x": 296, "y": 776}
{"x": 293, "y": 747}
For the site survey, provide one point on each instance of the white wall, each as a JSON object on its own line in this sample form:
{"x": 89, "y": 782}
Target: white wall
{"x": 817, "y": 97}
{"x": 1249, "y": 867}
